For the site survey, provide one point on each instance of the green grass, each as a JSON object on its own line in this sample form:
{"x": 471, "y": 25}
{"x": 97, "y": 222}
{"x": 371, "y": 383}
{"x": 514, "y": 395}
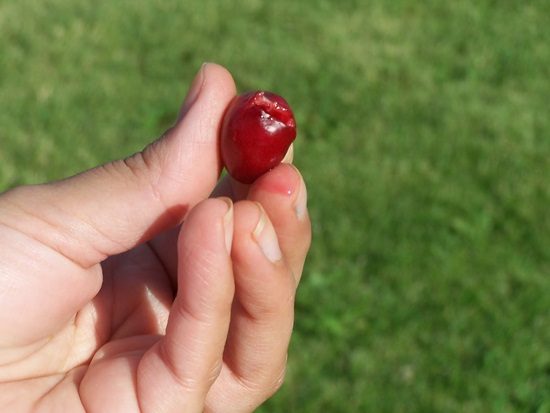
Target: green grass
{"x": 424, "y": 136}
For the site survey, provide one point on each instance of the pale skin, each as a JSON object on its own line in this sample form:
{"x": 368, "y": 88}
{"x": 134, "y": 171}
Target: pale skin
{"x": 109, "y": 303}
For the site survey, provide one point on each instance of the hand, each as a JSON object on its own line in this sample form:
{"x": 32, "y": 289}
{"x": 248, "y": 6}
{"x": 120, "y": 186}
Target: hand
{"x": 109, "y": 303}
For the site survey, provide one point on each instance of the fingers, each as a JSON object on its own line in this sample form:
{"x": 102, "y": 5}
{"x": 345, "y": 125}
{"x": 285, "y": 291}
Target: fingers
{"x": 176, "y": 374}
{"x": 269, "y": 245}
{"x": 230, "y": 325}
{"x": 114, "y": 207}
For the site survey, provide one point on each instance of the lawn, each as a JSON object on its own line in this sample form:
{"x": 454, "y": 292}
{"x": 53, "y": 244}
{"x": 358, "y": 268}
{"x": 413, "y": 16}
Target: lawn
{"x": 424, "y": 137}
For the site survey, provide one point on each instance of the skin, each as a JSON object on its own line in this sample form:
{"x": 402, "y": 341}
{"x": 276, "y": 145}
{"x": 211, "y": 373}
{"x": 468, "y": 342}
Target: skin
{"x": 109, "y": 303}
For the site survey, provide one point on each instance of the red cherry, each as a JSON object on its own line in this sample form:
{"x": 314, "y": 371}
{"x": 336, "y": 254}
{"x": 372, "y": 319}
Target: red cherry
{"x": 257, "y": 130}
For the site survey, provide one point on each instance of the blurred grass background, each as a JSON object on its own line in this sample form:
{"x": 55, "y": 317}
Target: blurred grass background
{"x": 423, "y": 136}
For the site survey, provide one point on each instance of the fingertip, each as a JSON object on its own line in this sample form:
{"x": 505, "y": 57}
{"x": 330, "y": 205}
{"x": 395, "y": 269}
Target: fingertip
{"x": 188, "y": 152}
{"x": 284, "y": 180}
{"x": 208, "y": 74}
{"x": 283, "y": 194}
{"x": 221, "y": 74}
{"x": 218, "y": 87}
{"x": 208, "y": 218}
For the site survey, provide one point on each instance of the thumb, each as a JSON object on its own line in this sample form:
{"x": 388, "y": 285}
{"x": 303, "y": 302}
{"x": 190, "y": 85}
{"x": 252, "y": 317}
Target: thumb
{"x": 111, "y": 208}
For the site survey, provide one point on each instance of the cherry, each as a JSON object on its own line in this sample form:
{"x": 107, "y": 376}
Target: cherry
{"x": 256, "y": 132}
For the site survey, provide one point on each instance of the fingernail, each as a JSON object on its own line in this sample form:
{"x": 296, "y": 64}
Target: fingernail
{"x": 193, "y": 92}
{"x": 300, "y": 206}
{"x": 289, "y": 156}
{"x": 265, "y": 236}
{"x": 228, "y": 224}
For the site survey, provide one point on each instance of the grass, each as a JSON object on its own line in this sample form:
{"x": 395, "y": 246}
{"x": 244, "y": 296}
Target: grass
{"x": 424, "y": 139}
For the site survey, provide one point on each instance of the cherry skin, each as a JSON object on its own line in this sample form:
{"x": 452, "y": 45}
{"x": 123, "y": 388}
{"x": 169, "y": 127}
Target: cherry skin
{"x": 256, "y": 132}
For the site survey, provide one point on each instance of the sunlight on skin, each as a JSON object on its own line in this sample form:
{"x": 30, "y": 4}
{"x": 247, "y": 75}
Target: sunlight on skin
{"x": 96, "y": 319}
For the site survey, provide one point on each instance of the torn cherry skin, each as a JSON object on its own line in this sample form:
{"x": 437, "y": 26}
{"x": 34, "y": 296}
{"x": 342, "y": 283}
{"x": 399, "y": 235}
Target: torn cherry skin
{"x": 257, "y": 129}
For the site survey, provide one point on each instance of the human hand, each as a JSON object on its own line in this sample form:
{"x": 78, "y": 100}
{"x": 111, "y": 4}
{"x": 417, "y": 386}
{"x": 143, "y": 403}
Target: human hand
{"x": 108, "y": 303}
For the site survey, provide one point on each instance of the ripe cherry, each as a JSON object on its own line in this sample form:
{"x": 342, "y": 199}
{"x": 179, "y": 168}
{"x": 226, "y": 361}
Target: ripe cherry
{"x": 257, "y": 130}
